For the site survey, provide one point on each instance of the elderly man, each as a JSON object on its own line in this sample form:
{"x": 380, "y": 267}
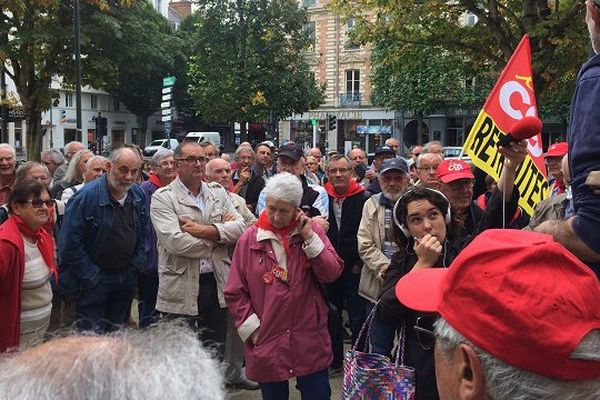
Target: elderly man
{"x": 579, "y": 233}
{"x": 346, "y": 200}
{"x": 359, "y": 161}
{"x": 381, "y": 153}
{"x": 195, "y": 224}
{"x": 376, "y": 247}
{"x": 435, "y": 146}
{"x": 248, "y": 181}
{"x": 95, "y": 167}
{"x": 553, "y": 158}
{"x": 8, "y": 161}
{"x": 427, "y": 166}
{"x": 162, "y": 173}
{"x": 456, "y": 182}
{"x": 315, "y": 202}
{"x": 70, "y": 149}
{"x": 101, "y": 244}
{"x": 518, "y": 320}
{"x": 416, "y": 152}
{"x": 166, "y": 362}
{"x": 394, "y": 144}
{"x": 52, "y": 159}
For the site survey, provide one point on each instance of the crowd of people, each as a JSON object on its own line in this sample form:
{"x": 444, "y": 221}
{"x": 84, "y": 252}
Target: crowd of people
{"x": 259, "y": 257}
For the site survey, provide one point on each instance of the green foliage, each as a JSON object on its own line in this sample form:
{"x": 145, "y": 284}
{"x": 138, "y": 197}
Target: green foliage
{"x": 246, "y": 61}
{"x": 556, "y": 28}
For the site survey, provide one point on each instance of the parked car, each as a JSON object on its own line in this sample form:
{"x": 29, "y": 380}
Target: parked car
{"x": 158, "y": 144}
{"x": 199, "y": 137}
{"x": 454, "y": 152}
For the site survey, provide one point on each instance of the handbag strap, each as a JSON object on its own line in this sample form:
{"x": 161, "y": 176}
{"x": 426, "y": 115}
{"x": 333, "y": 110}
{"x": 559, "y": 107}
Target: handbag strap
{"x": 400, "y": 347}
{"x": 366, "y": 327}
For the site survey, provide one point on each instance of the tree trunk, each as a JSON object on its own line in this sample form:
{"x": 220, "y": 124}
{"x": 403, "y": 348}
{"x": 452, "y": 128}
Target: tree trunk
{"x": 33, "y": 135}
{"x": 243, "y": 132}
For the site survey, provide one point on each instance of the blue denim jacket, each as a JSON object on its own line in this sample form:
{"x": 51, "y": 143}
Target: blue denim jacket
{"x": 86, "y": 225}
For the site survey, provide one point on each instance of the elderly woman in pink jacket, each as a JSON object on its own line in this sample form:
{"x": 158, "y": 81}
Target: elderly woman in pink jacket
{"x": 274, "y": 295}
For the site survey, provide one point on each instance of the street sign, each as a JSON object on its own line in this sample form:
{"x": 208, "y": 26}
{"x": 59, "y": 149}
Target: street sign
{"x": 169, "y": 81}
{"x": 166, "y": 111}
{"x": 165, "y": 104}
{"x": 166, "y": 97}
{"x": 166, "y": 118}
{"x": 168, "y": 124}
{"x": 167, "y": 90}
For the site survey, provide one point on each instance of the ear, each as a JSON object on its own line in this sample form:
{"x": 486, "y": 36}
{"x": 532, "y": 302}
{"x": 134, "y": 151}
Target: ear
{"x": 472, "y": 379}
{"x": 594, "y": 11}
{"x": 109, "y": 166}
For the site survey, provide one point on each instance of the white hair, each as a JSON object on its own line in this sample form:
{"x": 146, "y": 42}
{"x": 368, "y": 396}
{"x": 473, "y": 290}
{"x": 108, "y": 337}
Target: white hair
{"x": 90, "y": 160}
{"x": 505, "y": 382}
{"x": 9, "y": 147}
{"x": 423, "y": 154}
{"x": 428, "y": 145}
{"x": 166, "y": 361}
{"x": 56, "y": 156}
{"x": 72, "y": 176}
{"x": 284, "y": 186}
{"x": 160, "y": 155}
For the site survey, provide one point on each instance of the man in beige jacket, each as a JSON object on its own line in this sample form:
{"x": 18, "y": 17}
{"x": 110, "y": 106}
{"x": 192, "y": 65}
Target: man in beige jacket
{"x": 195, "y": 222}
{"x": 375, "y": 246}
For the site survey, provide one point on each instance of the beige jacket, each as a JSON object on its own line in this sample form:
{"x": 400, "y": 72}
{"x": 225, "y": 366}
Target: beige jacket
{"x": 179, "y": 253}
{"x": 370, "y": 248}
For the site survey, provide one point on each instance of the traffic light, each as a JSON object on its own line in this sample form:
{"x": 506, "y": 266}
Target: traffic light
{"x": 101, "y": 127}
{"x": 63, "y": 116}
{"x": 331, "y": 121}
{"x": 4, "y": 113}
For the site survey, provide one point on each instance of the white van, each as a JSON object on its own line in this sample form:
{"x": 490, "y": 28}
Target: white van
{"x": 213, "y": 137}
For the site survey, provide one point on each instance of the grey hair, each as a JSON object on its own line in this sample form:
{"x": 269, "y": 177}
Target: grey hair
{"x": 244, "y": 149}
{"x": 92, "y": 159}
{"x": 284, "y": 186}
{"x": 9, "y": 147}
{"x": 116, "y": 154}
{"x": 505, "y": 382}
{"x": 423, "y": 155}
{"x": 71, "y": 175}
{"x": 427, "y": 145}
{"x": 56, "y": 156}
{"x": 24, "y": 169}
{"x": 166, "y": 361}
{"x": 159, "y": 156}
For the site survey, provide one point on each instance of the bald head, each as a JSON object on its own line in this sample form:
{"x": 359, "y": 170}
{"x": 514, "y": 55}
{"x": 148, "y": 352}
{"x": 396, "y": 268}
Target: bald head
{"x": 219, "y": 170}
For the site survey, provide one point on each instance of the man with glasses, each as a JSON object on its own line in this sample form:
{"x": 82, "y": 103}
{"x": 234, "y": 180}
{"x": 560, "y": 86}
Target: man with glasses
{"x": 346, "y": 200}
{"x": 518, "y": 319}
{"x": 427, "y": 165}
{"x": 195, "y": 222}
{"x": 457, "y": 182}
{"x": 101, "y": 244}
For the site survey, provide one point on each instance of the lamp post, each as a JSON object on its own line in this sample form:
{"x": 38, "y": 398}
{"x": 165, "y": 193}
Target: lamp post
{"x": 77, "y": 34}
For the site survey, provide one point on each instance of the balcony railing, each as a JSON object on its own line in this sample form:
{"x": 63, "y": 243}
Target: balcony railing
{"x": 350, "y": 100}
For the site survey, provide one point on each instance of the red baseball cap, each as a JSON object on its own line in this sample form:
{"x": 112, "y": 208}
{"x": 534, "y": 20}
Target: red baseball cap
{"x": 453, "y": 169}
{"x": 557, "y": 149}
{"x": 517, "y": 295}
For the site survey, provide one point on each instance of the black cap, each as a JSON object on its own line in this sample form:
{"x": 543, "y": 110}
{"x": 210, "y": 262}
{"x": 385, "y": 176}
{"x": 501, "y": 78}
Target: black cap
{"x": 393, "y": 163}
{"x": 291, "y": 150}
{"x": 384, "y": 150}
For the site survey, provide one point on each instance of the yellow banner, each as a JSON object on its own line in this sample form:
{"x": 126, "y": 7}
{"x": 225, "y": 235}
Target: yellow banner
{"x": 481, "y": 146}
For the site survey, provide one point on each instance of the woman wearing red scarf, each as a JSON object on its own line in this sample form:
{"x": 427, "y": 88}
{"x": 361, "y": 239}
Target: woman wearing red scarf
{"x": 274, "y": 295}
{"x": 26, "y": 267}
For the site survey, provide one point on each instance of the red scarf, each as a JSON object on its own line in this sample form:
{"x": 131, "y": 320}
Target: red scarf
{"x": 43, "y": 240}
{"x": 155, "y": 180}
{"x": 353, "y": 188}
{"x": 283, "y": 234}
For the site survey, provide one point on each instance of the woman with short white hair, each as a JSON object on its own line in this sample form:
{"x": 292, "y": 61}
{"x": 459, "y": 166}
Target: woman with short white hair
{"x": 275, "y": 295}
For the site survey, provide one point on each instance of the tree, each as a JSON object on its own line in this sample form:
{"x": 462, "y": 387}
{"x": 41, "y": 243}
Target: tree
{"x": 556, "y": 29}
{"x": 246, "y": 61}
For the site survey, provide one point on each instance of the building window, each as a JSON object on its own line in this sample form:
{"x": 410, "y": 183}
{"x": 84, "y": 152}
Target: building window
{"x": 116, "y": 104}
{"x": 311, "y": 34}
{"x": 68, "y": 99}
{"x": 308, "y": 3}
{"x": 94, "y": 101}
{"x": 353, "y": 81}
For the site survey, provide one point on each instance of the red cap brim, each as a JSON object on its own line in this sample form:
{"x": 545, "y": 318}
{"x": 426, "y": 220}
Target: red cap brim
{"x": 454, "y": 176}
{"x": 420, "y": 289}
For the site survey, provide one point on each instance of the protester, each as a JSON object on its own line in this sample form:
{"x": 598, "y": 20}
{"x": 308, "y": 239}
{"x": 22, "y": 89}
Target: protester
{"x": 52, "y": 159}
{"x": 415, "y": 152}
{"x": 360, "y": 170}
{"x": 165, "y": 362}
{"x": 434, "y": 147}
{"x": 195, "y": 221}
{"x": 33, "y": 171}
{"x": 163, "y": 172}
{"x": 70, "y": 149}
{"x": 430, "y": 234}
{"x": 74, "y": 174}
{"x": 427, "y": 166}
{"x": 553, "y": 158}
{"x": 518, "y": 320}
{"x": 316, "y": 153}
{"x": 8, "y": 161}
{"x": 381, "y": 153}
{"x": 101, "y": 244}
{"x": 247, "y": 180}
{"x": 376, "y": 246}
{"x": 263, "y": 166}
{"x": 311, "y": 171}
{"x": 274, "y": 295}
{"x": 210, "y": 150}
{"x": 579, "y": 233}
{"x": 26, "y": 267}
{"x": 95, "y": 167}
{"x": 394, "y": 144}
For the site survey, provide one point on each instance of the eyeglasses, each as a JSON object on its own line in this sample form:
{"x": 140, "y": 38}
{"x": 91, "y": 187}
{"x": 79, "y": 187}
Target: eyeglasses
{"x": 434, "y": 169}
{"x": 334, "y": 171}
{"x": 424, "y": 330}
{"x": 37, "y": 203}
{"x": 193, "y": 160}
